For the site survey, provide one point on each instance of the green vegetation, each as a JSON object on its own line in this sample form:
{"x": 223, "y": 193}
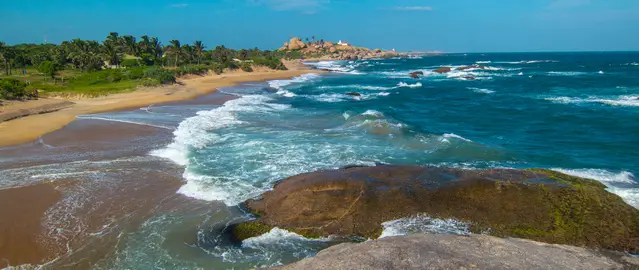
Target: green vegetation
{"x": 13, "y": 89}
{"x": 119, "y": 63}
{"x": 243, "y": 231}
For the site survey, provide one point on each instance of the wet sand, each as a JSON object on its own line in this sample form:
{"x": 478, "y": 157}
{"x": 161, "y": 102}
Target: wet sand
{"x": 20, "y": 222}
{"x": 116, "y": 186}
{"x": 30, "y": 128}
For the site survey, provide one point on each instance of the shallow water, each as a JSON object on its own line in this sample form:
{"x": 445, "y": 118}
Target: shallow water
{"x": 574, "y": 112}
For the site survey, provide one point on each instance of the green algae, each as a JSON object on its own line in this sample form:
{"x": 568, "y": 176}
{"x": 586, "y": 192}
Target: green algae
{"x": 246, "y": 230}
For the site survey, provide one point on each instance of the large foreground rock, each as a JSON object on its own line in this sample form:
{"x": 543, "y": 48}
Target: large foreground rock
{"x": 432, "y": 251}
{"x": 536, "y": 204}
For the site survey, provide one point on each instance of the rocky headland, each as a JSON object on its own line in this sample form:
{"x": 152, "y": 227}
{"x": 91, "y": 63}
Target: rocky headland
{"x": 324, "y": 50}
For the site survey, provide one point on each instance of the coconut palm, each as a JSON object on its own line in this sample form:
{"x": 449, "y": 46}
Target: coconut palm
{"x": 155, "y": 47}
{"x": 111, "y": 53}
{"x": 4, "y": 53}
{"x": 199, "y": 47}
{"x": 130, "y": 45}
{"x": 176, "y": 49}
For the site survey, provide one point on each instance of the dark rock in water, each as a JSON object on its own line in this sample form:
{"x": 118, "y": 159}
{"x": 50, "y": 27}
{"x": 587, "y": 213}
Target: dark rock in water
{"x": 443, "y": 70}
{"x": 475, "y": 66}
{"x": 536, "y": 204}
{"x": 416, "y": 74}
{"x": 354, "y": 94}
{"x": 437, "y": 251}
{"x": 469, "y": 78}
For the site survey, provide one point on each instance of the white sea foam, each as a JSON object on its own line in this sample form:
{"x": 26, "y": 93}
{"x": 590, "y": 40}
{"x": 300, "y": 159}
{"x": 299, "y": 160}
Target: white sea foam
{"x": 357, "y": 86}
{"x": 286, "y": 93}
{"x": 623, "y": 183}
{"x": 373, "y": 113}
{"x": 280, "y": 84}
{"x": 483, "y": 62}
{"x": 121, "y": 121}
{"x": 566, "y": 73}
{"x": 627, "y": 101}
{"x": 455, "y": 136}
{"x": 424, "y": 224}
{"x": 338, "y": 66}
{"x": 481, "y": 90}
{"x": 383, "y": 94}
{"x": 278, "y": 237}
{"x": 403, "y": 84}
{"x": 530, "y": 62}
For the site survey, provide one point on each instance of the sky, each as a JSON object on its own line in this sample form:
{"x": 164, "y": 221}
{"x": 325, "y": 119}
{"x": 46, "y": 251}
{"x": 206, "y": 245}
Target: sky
{"x": 405, "y": 25}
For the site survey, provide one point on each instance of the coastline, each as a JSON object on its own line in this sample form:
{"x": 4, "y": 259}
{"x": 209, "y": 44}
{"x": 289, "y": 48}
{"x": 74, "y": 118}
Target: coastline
{"x": 31, "y": 127}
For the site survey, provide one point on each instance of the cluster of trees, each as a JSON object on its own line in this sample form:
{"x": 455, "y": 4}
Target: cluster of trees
{"x": 118, "y": 52}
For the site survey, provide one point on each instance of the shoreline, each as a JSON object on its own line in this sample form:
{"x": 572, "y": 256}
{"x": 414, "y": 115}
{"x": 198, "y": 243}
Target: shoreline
{"x": 29, "y": 128}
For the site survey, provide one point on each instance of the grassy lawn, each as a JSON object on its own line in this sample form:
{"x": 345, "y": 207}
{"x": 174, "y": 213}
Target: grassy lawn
{"x": 74, "y": 82}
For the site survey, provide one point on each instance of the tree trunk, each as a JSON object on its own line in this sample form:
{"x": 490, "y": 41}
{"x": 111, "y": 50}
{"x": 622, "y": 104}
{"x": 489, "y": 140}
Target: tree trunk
{"x": 176, "y": 60}
{"x": 6, "y": 67}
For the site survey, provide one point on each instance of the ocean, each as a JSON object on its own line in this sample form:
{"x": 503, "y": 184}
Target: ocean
{"x": 577, "y": 113}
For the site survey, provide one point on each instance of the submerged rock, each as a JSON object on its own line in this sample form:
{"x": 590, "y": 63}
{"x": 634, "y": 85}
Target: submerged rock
{"x": 433, "y": 251}
{"x": 416, "y": 74}
{"x": 443, "y": 70}
{"x": 353, "y": 94}
{"x": 536, "y": 204}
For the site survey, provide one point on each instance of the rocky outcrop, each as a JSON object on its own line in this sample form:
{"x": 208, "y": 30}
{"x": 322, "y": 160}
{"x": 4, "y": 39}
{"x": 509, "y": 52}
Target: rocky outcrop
{"x": 296, "y": 44}
{"x": 416, "y": 74}
{"x": 353, "y": 94}
{"x": 432, "y": 251}
{"x": 536, "y": 204}
{"x": 329, "y": 51}
{"x": 443, "y": 70}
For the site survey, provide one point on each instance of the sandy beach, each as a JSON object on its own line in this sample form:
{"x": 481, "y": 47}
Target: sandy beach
{"x": 138, "y": 189}
{"x": 31, "y": 127}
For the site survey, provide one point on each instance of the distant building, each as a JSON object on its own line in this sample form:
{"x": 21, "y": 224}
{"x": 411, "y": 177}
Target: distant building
{"x": 343, "y": 43}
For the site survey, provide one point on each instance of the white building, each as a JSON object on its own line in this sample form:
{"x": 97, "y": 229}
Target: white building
{"x": 343, "y": 43}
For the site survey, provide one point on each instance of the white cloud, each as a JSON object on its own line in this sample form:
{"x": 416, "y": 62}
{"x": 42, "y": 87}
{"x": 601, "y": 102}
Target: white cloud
{"x": 560, "y": 4}
{"x": 414, "y": 8}
{"x": 179, "y": 5}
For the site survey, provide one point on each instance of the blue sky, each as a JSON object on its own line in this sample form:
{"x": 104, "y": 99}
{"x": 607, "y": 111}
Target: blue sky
{"x": 450, "y": 26}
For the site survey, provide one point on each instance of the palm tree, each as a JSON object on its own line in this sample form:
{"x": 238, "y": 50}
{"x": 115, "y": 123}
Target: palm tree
{"x": 188, "y": 52}
{"x": 199, "y": 50}
{"x": 175, "y": 49}
{"x": 155, "y": 47}
{"x": 113, "y": 37}
{"x": 111, "y": 54}
{"x": 130, "y": 45}
{"x": 144, "y": 44}
{"x": 4, "y": 53}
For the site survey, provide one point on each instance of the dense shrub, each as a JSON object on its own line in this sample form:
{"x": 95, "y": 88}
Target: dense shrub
{"x": 130, "y": 63}
{"x": 134, "y": 73}
{"x": 12, "y": 89}
{"x": 217, "y": 68}
{"x": 113, "y": 75}
{"x": 161, "y": 75}
{"x": 273, "y": 63}
{"x": 246, "y": 67}
{"x": 191, "y": 69}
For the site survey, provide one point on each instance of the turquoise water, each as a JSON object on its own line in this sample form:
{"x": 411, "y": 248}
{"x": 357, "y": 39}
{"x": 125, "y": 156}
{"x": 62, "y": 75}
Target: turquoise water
{"x": 578, "y": 112}
{"x": 573, "y": 112}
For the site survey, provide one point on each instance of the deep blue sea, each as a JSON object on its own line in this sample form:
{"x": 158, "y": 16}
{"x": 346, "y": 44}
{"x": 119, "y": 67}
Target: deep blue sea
{"x": 573, "y": 112}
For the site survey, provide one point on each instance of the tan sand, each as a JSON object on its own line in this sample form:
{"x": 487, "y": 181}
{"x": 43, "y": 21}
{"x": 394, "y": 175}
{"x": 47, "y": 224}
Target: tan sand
{"x": 30, "y": 128}
{"x": 20, "y": 221}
